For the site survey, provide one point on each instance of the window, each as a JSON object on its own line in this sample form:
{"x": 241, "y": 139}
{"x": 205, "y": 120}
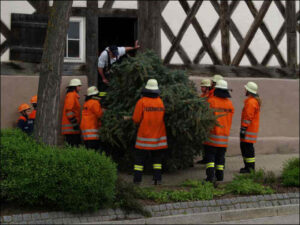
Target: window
{"x": 75, "y": 41}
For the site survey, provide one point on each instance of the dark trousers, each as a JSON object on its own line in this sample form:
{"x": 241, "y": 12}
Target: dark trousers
{"x": 140, "y": 156}
{"x": 248, "y": 153}
{"x": 215, "y": 162}
{"x": 92, "y": 144}
{"x": 73, "y": 139}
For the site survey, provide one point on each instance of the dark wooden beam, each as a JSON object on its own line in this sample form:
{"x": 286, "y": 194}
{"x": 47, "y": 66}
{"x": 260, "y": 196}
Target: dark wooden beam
{"x": 180, "y": 50}
{"x": 108, "y": 4}
{"x": 251, "y": 32}
{"x": 290, "y": 13}
{"x": 190, "y": 16}
{"x": 5, "y": 31}
{"x": 233, "y": 28}
{"x": 277, "y": 39}
{"x": 225, "y": 32}
{"x": 164, "y": 4}
{"x": 267, "y": 34}
{"x": 41, "y": 6}
{"x": 149, "y": 25}
{"x": 129, "y": 13}
{"x": 241, "y": 71}
{"x": 3, "y": 47}
{"x": 280, "y": 7}
{"x": 92, "y": 42}
{"x": 205, "y": 42}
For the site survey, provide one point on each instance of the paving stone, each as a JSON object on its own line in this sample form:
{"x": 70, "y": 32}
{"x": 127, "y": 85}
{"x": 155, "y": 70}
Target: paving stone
{"x": 59, "y": 221}
{"x": 120, "y": 216}
{"x": 243, "y": 206}
{"x": 273, "y": 196}
{"x": 205, "y": 203}
{"x": 217, "y": 208}
{"x": 166, "y": 213}
{"x": 275, "y": 203}
{"x": 169, "y": 206}
{"x": 191, "y": 204}
{"x": 250, "y": 205}
{"x": 50, "y": 221}
{"x": 204, "y": 209}
{"x": 184, "y": 205}
{"x": 226, "y": 202}
{"x": 105, "y": 218}
{"x": 287, "y": 202}
{"x": 157, "y": 214}
{"x": 17, "y": 218}
{"x": 68, "y": 220}
{"x": 281, "y": 202}
{"x": 240, "y": 199}
{"x": 255, "y": 205}
{"x": 268, "y": 203}
{"x": 219, "y": 202}
{"x": 111, "y": 212}
{"x": 267, "y": 197}
{"x": 230, "y": 207}
{"x": 45, "y": 215}
{"x": 262, "y": 203}
{"x": 210, "y": 209}
{"x": 27, "y": 217}
{"x": 148, "y": 208}
{"x": 292, "y": 195}
{"x": 295, "y": 201}
{"x": 155, "y": 208}
{"x": 297, "y": 194}
{"x": 113, "y": 217}
{"x": 189, "y": 211}
{"x": 280, "y": 196}
{"x": 59, "y": 215}
{"x": 237, "y": 206}
{"x": 6, "y": 219}
{"x": 83, "y": 219}
{"x": 162, "y": 207}
{"x": 196, "y": 210}
{"x": 253, "y": 198}
{"x": 119, "y": 211}
{"x": 36, "y": 216}
{"x": 234, "y": 200}
{"x": 224, "y": 207}
{"x": 181, "y": 211}
{"x": 53, "y": 215}
{"x": 176, "y": 205}
{"x": 285, "y": 195}
{"x": 174, "y": 212}
{"x": 212, "y": 203}
{"x": 198, "y": 203}
{"x": 260, "y": 198}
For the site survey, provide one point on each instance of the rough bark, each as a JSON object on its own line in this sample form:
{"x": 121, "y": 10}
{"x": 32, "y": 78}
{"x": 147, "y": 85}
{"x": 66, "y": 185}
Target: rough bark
{"x": 47, "y": 124}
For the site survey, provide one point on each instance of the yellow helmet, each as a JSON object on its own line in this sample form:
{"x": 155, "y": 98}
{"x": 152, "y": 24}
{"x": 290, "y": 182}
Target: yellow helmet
{"x": 217, "y": 77}
{"x": 205, "y": 83}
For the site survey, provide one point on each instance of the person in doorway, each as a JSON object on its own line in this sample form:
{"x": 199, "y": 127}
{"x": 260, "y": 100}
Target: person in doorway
{"x": 214, "y": 81}
{"x": 151, "y": 137}
{"x": 32, "y": 115}
{"x": 71, "y": 114}
{"x": 109, "y": 56}
{"x": 24, "y": 110}
{"x": 216, "y": 145}
{"x": 249, "y": 126}
{"x": 90, "y": 121}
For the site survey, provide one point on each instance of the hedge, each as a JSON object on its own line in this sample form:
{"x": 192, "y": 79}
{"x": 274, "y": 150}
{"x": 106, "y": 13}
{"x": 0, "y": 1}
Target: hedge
{"x": 69, "y": 179}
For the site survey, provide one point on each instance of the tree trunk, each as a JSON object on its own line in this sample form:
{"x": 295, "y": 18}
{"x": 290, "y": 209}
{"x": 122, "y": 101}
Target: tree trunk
{"x": 47, "y": 121}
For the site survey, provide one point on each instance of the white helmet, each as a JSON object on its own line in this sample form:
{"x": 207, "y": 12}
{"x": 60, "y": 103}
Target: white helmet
{"x": 205, "y": 83}
{"x": 75, "y": 82}
{"x": 251, "y": 87}
{"x": 152, "y": 85}
{"x": 92, "y": 91}
{"x": 217, "y": 77}
{"x": 222, "y": 84}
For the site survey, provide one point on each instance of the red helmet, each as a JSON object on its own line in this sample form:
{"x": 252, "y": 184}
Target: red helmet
{"x": 23, "y": 107}
{"x": 33, "y": 99}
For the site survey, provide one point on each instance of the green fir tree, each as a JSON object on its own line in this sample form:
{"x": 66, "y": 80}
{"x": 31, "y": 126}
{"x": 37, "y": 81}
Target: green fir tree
{"x": 188, "y": 117}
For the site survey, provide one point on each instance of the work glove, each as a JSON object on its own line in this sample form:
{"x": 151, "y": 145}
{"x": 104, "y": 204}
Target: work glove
{"x": 243, "y": 132}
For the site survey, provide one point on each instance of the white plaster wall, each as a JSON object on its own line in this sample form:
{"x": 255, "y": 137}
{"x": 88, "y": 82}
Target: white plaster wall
{"x": 175, "y": 16}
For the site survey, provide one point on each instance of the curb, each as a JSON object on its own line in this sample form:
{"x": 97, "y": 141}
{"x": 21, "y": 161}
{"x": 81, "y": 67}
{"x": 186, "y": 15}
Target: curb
{"x": 215, "y": 217}
{"x": 197, "y": 211}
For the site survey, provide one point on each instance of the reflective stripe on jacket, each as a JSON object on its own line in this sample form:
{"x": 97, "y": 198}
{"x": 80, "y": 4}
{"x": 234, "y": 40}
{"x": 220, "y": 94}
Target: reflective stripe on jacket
{"x": 219, "y": 135}
{"x": 24, "y": 125}
{"x": 149, "y": 113}
{"x": 250, "y": 119}
{"x": 71, "y": 111}
{"x": 90, "y": 121}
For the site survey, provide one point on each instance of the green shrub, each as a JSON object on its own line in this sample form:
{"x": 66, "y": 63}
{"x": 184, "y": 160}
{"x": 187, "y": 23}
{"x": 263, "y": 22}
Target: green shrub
{"x": 71, "y": 179}
{"x": 198, "y": 191}
{"x": 188, "y": 118}
{"x": 251, "y": 183}
{"x": 290, "y": 173}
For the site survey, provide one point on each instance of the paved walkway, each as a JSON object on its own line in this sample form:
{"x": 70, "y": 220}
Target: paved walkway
{"x": 272, "y": 162}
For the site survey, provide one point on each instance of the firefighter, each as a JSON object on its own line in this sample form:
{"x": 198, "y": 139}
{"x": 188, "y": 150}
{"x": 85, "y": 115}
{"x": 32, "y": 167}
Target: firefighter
{"x": 249, "y": 126}
{"x": 215, "y": 146}
{"x": 90, "y": 121}
{"x": 71, "y": 114}
{"x": 32, "y": 115}
{"x": 214, "y": 80}
{"x": 205, "y": 87}
{"x": 151, "y": 137}
{"x": 24, "y": 110}
{"x": 109, "y": 56}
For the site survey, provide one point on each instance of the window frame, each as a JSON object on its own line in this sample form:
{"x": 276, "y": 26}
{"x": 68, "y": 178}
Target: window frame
{"x": 82, "y": 41}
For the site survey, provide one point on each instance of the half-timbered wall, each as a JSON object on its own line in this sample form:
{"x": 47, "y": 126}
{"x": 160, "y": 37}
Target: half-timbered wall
{"x": 196, "y": 33}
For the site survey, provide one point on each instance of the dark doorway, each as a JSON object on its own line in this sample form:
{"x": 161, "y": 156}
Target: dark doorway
{"x": 117, "y": 31}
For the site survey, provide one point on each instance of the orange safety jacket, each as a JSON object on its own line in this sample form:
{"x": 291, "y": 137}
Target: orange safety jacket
{"x": 204, "y": 95}
{"x": 149, "y": 113}
{"x": 71, "y": 112}
{"x": 211, "y": 93}
{"x": 90, "y": 121}
{"x": 250, "y": 119}
{"x": 32, "y": 115}
{"x": 219, "y": 135}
